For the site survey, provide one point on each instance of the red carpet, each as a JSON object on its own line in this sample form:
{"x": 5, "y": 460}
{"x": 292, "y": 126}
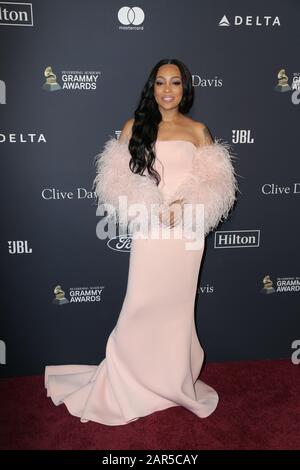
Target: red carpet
{"x": 259, "y": 408}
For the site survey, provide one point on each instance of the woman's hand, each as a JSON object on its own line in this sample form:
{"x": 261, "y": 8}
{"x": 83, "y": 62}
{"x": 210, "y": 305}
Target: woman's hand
{"x": 172, "y": 215}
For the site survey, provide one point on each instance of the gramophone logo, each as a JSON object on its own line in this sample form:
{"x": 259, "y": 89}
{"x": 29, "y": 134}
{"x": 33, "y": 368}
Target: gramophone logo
{"x": 60, "y": 298}
{"x": 283, "y": 85}
{"x": 50, "y": 83}
{"x": 282, "y": 82}
{"x": 267, "y": 285}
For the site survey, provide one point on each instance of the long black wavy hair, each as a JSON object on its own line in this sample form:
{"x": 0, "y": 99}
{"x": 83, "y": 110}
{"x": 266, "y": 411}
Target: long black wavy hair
{"x": 147, "y": 118}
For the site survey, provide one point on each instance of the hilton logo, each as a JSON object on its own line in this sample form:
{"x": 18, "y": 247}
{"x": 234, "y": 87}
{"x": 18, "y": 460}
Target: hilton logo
{"x": 237, "y": 239}
{"x": 16, "y": 14}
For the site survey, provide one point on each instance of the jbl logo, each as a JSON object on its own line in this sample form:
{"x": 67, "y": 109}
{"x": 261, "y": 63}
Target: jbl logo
{"x": 242, "y": 136}
{"x": 18, "y": 247}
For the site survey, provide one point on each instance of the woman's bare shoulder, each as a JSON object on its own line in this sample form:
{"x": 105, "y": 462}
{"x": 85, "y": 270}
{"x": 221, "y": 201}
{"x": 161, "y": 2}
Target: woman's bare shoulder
{"x": 126, "y": 131}
{"x": 202, "y": 133}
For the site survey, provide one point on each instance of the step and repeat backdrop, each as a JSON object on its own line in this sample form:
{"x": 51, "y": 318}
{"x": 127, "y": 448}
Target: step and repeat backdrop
{"x": 71, "y": 74}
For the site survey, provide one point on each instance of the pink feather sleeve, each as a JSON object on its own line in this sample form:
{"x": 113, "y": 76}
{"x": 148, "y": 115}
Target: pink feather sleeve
{"x": 212, "y": 183}
{"x": 114, "y": 178}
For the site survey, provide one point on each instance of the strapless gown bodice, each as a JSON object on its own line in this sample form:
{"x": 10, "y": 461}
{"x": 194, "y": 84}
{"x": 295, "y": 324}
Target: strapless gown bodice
{"x": 174, "y": 159}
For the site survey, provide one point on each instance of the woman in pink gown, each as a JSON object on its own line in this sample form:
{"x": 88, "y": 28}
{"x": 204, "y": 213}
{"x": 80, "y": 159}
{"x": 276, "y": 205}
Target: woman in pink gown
{"x": 153, "y": 355}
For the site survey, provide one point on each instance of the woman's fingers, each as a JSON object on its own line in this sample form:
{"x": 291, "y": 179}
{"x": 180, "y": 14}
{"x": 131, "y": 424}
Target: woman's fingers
{"x": 171, "y": 214}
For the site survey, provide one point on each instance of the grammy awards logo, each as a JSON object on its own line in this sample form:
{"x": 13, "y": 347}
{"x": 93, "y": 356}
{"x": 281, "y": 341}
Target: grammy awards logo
{"x": 268, "y": 286}
{"x": 60, "y": 298}
{"x": 50, "y": 83}
{"x": 283, "y": 285}
{"x": 2, "y": 92}
{"x": 72, "y": 80}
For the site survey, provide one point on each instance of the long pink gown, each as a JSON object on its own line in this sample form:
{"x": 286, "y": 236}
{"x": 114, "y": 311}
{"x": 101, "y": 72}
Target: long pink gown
{"x": 153, "y": 355}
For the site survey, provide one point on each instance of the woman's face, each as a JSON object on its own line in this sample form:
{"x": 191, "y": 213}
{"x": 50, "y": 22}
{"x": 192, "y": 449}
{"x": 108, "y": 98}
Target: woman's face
{"x": 168, "y": 89}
